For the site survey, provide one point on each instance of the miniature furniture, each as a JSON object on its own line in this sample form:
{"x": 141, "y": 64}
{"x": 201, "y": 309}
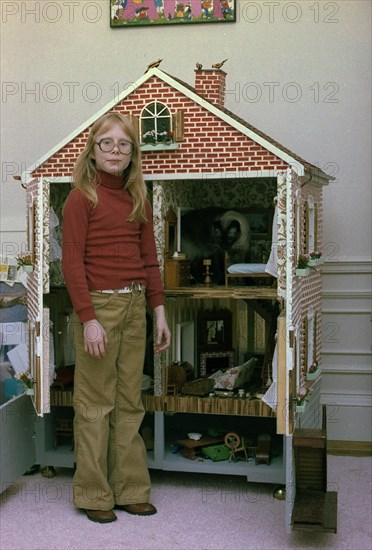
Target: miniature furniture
{"x": 258, "y": 270}
{"x": 236, "y": 271}
{"x": 176, "y": 375}
{"x": 190, "y": 448}
{"x": 263, "y": 449}
{"x": 210, "y": 362}
{"x": 207, "y": 273}
{"x": 315, "y": 508}
{"x": 200, "y": 386}
{"x": 236, "y": 446}
{"x": 176, "y": 273}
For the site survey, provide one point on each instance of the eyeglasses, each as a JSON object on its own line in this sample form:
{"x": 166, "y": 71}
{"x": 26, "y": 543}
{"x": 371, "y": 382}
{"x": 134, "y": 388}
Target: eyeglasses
{"x": 107, "y": 145}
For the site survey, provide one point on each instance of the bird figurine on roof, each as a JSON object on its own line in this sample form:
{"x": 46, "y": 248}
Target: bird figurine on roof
{"x": 199, "y": 66}
{"x": 219, "y": 65}
{"x": 153, "y": 65}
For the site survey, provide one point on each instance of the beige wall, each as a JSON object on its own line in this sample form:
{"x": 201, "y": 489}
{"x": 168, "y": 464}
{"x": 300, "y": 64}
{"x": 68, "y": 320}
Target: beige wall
{"x": 299, "y": 71}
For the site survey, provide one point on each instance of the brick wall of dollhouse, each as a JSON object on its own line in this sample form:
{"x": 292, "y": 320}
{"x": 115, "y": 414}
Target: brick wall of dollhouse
{"x": 209, "y": 145}
{"x": 307, "y": 291}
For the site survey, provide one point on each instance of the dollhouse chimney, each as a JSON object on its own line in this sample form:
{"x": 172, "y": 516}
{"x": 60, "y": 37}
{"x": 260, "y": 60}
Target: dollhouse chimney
{"x": 211, "y": 84}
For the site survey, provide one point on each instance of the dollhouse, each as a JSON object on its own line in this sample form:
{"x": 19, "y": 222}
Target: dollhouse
{"x": 238, "y": 225}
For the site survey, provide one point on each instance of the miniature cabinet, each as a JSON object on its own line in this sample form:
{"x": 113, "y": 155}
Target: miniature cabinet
{"x": 176, "y": 272}
{"x": 215, "y": 160}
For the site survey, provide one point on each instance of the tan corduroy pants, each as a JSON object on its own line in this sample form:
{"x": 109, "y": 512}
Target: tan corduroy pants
{"x": 111, "y": 464}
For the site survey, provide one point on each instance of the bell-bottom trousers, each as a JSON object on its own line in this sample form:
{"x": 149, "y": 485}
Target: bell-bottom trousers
{"x": 111, "y": 462}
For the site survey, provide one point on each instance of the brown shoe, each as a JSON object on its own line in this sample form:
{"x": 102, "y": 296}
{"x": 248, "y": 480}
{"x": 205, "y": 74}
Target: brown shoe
{"x": 141, "y": 509}
{"x": 101, "y": 516}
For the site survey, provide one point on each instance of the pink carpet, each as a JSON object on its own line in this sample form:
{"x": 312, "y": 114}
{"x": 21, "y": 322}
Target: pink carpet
{"x": 194, "y": 512}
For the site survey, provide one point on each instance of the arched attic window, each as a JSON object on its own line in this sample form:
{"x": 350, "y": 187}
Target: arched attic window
{"x": 156, "y": 123}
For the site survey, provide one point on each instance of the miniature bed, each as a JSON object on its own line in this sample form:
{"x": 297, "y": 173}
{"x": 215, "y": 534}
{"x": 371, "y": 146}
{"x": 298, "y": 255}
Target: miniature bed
{"x": 256, "y": 270}
{"x": 244, "y": 270}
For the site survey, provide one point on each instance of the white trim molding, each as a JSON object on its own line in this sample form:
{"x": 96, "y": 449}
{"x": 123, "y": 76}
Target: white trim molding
{"x": 346, "y": 358}
{"x": 346, "y": 267}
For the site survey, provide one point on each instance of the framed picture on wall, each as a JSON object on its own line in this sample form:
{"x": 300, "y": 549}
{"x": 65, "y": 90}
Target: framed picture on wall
{"x": 144, "y": 13}
{"x": 215, "y": 330}
{"x": 260, "y": 222}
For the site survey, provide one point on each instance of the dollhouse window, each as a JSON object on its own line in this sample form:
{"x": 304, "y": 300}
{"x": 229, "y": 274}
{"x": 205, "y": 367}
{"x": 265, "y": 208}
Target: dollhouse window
{"x": 297, "y": 356}
{"x": 310, "y": 338}
{"x": 298, "y": 222}
{"x": 156, "y": 123}
{"x": 310, "y": 225}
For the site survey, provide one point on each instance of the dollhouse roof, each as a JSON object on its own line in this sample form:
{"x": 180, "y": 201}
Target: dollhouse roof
{"x": 298, "y": 164}
{"x": 269, "y": 140}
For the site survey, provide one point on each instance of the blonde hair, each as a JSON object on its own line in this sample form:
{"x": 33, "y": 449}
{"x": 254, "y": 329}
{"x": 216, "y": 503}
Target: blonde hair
{"x": 85, "y": 171}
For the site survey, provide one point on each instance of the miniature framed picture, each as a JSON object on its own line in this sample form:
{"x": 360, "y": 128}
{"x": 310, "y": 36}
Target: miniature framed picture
{"x": 12, "y": 273}
{"x": 215, "y": 330}
{"x": 260, "y": 222}
{"x": 142, "y": 13}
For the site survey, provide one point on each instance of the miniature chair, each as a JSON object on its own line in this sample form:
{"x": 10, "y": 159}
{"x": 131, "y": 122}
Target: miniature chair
{"x": 176, "y": 375}
{"x": 263, "y": 449}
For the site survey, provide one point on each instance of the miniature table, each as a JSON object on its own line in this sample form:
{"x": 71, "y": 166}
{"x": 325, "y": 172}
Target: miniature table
{"x": 190, "y": 447}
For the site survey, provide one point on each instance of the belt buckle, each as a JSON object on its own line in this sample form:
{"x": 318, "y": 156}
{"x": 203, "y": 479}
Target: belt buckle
{"x": 135, "y": 286}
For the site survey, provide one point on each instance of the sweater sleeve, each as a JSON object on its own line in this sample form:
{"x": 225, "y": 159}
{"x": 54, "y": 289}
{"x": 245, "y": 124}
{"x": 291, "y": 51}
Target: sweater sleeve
{"x": 75, "y": 226}
{"x": 155, "y": 289}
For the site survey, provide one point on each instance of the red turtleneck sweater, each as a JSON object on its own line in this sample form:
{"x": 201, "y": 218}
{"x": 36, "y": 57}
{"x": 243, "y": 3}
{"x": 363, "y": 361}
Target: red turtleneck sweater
{"x": 102, "y": 250}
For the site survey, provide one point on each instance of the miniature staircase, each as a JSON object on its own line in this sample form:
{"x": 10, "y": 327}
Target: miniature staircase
{"x": 315, "y": 508}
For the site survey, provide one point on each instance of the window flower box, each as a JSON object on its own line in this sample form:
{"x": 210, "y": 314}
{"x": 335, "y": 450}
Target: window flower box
{"x": 303, "y": 272}
{"x": 162, "y": 146}
{"x": 301, "y": 407}
{"x": 152, "y": 140}
{"x": 27, "y": 381}
{"x": 302, "y": 398}
{"x": 313, "y": 372}
{"x": 303, "y": 268}
{"x": 315, "y": 259}
{"x": 314, "y": 262}
{"x": 25, "y": 262}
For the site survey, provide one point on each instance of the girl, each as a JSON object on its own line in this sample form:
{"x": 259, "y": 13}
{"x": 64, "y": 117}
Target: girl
{"x": 110, "y": 268}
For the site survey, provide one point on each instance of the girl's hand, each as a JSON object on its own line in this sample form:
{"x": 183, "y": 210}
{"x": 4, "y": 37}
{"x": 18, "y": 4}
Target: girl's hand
{"x": 95, "y": 339}
{"x": 163, "y": 334}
